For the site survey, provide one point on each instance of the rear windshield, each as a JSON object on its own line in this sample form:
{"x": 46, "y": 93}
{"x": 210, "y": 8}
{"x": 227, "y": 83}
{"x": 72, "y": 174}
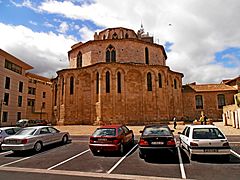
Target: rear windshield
{"x": 105, "y": 132}
{"x": 28, "y": 131}
{"x": 156, "y": 131}
{"x": 207, "y": 133}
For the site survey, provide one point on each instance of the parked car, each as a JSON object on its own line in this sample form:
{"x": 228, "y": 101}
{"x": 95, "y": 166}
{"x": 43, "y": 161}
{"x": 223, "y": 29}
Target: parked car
{"x": 35, "y": 138}
{"x": 204, "y": 140}
{"x": 31, "y": 122}
{"x": 156, "y": 139}
{"x": 7, "y": 131}
{"x": 111, "y": 138}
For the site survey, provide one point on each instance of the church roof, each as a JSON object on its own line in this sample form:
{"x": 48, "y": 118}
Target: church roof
{"x": 211, "y": 87}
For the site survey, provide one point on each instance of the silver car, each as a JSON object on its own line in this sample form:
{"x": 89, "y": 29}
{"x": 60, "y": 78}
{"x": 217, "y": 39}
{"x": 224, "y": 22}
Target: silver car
{"x": 7, "y": 131}
{"x": 34, "y": 138}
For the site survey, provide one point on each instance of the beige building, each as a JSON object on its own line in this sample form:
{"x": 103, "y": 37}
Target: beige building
{"x": 18, "y": 88}
{"x": 119, "y": 77}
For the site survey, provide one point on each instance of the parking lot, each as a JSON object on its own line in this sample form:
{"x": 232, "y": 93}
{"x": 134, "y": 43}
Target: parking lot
{"x": 75, "y": 160}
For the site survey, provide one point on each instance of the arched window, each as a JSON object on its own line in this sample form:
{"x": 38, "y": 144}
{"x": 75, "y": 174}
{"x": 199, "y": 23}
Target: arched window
{"x": 119, "y": 82}
{"x": 62, "y": 86}
{"x": 97, "y": 83}
{"x": 159, "y": 80}
{"x": 146, "y": 56}
{"x": 107, "y": 82}
{"x": 199, "y": 102}
{"x": 149, "y": 81}
{"x": 175, "y": 84}
{"x": 221, "y": 101}
{"x": 104, "y": 37}
{"x": 126, "y": 35}
{"x": 79, "y": 60}
{"x": 115, "y": 36}
{"x": 110, "y": 54}
{"x": 71, "y": 85}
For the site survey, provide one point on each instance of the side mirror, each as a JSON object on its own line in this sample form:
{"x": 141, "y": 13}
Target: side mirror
{"x": 141, "y": 131}
{"x": 172, "y": 130}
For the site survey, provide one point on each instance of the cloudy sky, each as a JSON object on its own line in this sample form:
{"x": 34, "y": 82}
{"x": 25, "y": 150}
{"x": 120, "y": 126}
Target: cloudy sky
{"x": 202, "y": 37}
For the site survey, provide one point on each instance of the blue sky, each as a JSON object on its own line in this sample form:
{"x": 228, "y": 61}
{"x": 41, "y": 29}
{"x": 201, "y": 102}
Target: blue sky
{"x": 201, "y": 43}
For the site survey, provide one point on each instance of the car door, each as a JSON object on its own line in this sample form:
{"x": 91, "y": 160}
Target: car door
{"x": 128, "y": 134}
{"x": 184, "y": 137}
{"x": 56, "y": 136}
{"x": 45, "y": 136}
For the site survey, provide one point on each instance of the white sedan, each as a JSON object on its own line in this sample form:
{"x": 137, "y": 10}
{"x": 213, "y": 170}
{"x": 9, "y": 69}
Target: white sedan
{"x": 34, "y": 138}
{"x": 204, "y": 140}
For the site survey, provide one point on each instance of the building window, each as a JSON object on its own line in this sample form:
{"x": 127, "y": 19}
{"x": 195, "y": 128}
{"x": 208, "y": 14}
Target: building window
{"x": 7, "y": 83}
{"x": 107, "y": 82}
{"x": 175, "y": 84}
{"x": 97, "y": 83}
{"x": 119, "y": 82}
{"x": 31, "y": 102}
{"x": 79, "y": 60}
{"x": 221, "y": 101}
{"x": 71, "y": 85}
{"x": 31, "y": 90}
{"x": 19, "y": 101}
{"x": 44, "y": 95}
{"x": 19, "y": 116}
{"x": 126, "y": 35}
{"x": 4, "y": 116}
{"x": 13, "y": 67}
{"x": 110, "y": 54}
{"x": 115, "y": 36}
{"x": 20, "y": 86}
{"x": 159, "y": 80}
{"x": 149, "y": 81}
{"x": 62, "y": 86}
{"x": 43, "y": 105}
{"x": 146, "y": 56}
{"x": 6, "y": 99}
{"x": 199, "y": 102}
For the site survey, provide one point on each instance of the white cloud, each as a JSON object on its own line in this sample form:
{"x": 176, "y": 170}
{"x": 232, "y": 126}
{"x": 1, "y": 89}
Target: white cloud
{"x": 46, "y": 52}
{"x": 47, "y": 24}
{"x": 33, "y": 23}
{"x": 63, "y": 27}
{"x": 86, "y": 34}
{"x": 25, "y": 3}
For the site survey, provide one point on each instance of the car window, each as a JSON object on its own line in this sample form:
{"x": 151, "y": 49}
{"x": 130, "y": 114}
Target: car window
{"x": 44, "y": 131}
{"x": 27, "y": 131}
{"x": 126, "y": 130}
{"x": 184, "y": 131}
{"x": 53, "y": 130}
{"x": 16, "y": 129}
{"x": 10, "y": 131}
{"x": 207, "y": 133}
{"x": 156, "y": 131}
{"x": 120, "y": 130}
{"x": 188, "y": 131}
{"x": 105, "y": 132}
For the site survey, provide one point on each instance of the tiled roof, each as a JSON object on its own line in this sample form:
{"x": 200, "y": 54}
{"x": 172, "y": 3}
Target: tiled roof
{"x": 212, "y": 87}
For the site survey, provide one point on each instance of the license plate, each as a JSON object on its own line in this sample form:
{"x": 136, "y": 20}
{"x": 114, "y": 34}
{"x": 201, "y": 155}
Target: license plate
{"x": 102, "y": 139}
{"x": 210, "y": 150}
{"x": 157, "y": 143}
{"x": 12, "y": 141}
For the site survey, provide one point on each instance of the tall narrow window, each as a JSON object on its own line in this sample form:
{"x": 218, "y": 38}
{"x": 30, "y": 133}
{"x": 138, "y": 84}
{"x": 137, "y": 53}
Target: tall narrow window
{"x": 149, "y": 81}
{"x": 79, "y": 60}
{"x": 175, "y": 84}
{"x": 20, "y": 86}
{"x": 119, "y": 82}
{"x": 62, "y": 86}
{"x": 107, "y": 82}
{"x": 199, "y": 102}
{"x": 44, "y": 95}
{"x": 55, "y": 95}
{"x": 19, "y": 116}
{"x": 146, "y": 56}
{"x": 115, "y": 36}
{"x": 159, "y": 80}
{"x": 113, "y": 55}
{"x": 19, "y": 101}
{"x": 110, "y": 54}
{"x": 126, "y": 35}
{"x": 6, "y": 99}
{"x": 4, "y": 116}
{"x": 221, "y": 101}
{"x": 71, "y": 85}
{"x": 7, "y": 83}
{"x": 97, "y": 83}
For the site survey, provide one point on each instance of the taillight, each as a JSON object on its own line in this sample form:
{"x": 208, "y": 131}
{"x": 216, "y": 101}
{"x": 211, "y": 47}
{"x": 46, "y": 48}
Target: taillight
{"x": 171, "y": 142}
{"x": 91, "y": 140}
{"x": 24, "y": 141}
{"x": 116, "y": 141}
{"x": 193, "y": 144}
{"x": 142, "y": 142}
{"x": 226, "y": 144}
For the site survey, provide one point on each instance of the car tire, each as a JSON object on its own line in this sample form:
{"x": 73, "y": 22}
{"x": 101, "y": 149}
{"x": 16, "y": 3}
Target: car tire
{"x": 142, "y": 156}
{"x": 38, "y": 146}
{"x": 64, "y": 139}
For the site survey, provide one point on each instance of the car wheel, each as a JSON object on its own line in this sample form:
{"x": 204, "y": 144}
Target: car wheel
{"x": 37, "y": 146}
{"x": 65, "y": 139}
{"x": 142, "y": 156}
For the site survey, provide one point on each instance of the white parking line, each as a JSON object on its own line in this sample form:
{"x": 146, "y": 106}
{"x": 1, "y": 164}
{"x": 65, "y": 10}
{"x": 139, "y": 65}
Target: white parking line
{"x": 181, "y": 164}
{"x": 13, "y": 162}
{"x": 69, "y": 159}
{"x": 121, "y": 159}
{"x": 235, "y": 154}
{"x": 7, "y": 152}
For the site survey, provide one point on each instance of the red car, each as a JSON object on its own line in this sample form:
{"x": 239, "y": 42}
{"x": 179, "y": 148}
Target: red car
{"x": 111, "y": 138}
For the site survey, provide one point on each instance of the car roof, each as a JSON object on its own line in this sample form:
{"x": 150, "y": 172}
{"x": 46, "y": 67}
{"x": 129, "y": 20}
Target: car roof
{"x": 36, "y": 127}
{"x": 110, "y": 126}
{"x": 4, "y": 128}
{"x": 156, "y": 125}
{"x": 202, "y": 126}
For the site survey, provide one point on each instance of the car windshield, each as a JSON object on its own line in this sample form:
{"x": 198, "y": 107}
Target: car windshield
{"x": 28, "y": 131}
{"x": 105, "y": 132}
{"x": 156, "y": 131}
{"x": 207, "y": 133}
